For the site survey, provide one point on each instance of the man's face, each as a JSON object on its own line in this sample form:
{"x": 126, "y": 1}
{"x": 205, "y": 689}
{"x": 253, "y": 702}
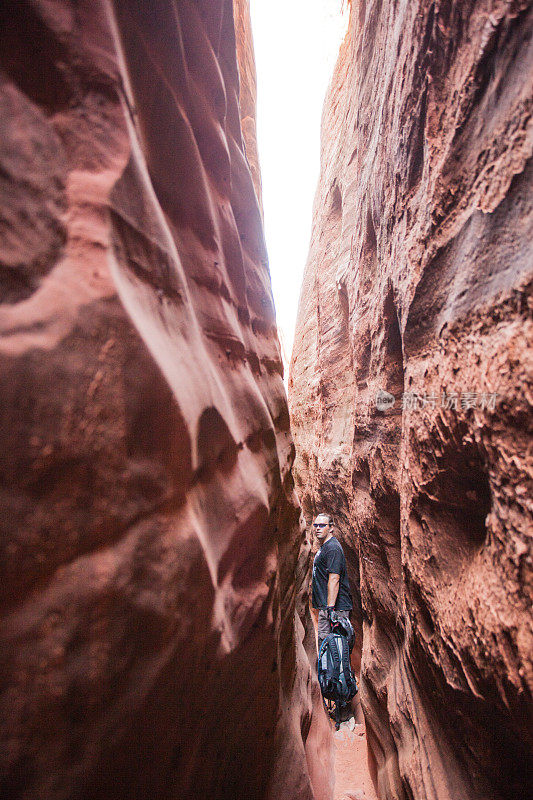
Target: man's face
{"x": 321, "y": 527}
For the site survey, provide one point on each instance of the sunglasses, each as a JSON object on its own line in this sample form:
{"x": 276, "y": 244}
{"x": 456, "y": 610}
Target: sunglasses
{"x": 320, "y": 524}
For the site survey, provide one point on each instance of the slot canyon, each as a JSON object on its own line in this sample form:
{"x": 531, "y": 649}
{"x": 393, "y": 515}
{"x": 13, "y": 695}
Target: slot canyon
{"x": 158, "y": 484}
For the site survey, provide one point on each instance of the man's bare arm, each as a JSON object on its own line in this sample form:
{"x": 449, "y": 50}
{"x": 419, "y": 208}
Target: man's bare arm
{"x": 333, "y": 588}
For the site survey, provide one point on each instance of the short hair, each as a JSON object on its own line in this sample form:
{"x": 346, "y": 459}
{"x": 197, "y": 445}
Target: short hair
{"x": 325, "y": 514}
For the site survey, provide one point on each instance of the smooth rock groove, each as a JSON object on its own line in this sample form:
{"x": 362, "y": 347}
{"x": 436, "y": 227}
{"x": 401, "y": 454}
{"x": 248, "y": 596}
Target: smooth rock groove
{"x": 419, "y": 281}
{"x": 153, "y": 629}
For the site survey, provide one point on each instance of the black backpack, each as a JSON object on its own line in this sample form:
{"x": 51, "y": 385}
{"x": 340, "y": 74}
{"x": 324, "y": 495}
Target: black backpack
{"x": 335, "y": 675}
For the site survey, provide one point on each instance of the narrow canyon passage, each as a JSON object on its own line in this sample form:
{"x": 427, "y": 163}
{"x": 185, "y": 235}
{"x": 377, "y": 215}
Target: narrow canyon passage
{"x": 157, "y": 486}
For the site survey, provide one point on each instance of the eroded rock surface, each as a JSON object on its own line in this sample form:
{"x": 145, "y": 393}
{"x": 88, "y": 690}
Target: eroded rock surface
{"x": 148, "y": 636}
{"x": 419, "y": 282}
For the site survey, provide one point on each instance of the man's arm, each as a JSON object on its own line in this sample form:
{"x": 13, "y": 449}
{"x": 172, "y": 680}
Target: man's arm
{"x": 333, "y": 588}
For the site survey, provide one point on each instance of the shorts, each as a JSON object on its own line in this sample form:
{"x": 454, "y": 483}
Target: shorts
{"x": 324, "y": 625}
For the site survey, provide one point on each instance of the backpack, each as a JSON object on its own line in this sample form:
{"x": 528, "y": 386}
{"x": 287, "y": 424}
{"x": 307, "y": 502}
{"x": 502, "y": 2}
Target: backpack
{"x": 344, "y": 626}
{"x": 335, "y": 675}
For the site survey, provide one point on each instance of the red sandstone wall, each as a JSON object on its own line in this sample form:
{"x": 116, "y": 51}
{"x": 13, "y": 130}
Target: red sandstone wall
{"x": 150, "y": 542}
{"x": 248, "y": 91}
{"x": 419, "y": 281}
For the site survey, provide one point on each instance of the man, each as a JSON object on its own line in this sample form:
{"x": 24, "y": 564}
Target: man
{"x": 331, "y": 590}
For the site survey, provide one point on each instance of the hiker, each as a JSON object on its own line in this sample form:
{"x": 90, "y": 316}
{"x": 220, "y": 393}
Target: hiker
{"x": 331, "y": 591}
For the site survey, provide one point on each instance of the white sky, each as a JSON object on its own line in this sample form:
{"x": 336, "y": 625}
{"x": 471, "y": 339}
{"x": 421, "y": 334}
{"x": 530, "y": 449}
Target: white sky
{"x": 296, "y": 46}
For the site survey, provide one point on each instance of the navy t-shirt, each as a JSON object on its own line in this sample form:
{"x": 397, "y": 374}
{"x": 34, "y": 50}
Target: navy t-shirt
{"x": 330, "y": 558}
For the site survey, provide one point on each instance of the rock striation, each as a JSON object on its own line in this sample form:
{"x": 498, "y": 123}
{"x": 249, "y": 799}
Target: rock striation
{"x": 418, "y": 285}
{"x": 152, "y": 634}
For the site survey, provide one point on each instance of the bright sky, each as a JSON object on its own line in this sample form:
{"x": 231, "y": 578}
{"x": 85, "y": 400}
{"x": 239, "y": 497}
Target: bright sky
{"x": 296, "y": 45}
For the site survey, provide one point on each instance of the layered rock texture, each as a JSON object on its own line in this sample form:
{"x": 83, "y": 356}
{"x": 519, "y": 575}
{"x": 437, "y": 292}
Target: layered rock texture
{"x": 419, "y": 284}
{"x": 150, "y": 640}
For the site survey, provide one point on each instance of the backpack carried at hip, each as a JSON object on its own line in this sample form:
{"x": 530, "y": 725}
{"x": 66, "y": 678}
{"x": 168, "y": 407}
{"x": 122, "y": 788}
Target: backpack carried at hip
{"x": 335, "y": 675}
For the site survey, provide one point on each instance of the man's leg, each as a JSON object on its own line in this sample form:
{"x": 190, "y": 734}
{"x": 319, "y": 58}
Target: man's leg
{"x": 324, "y": 627}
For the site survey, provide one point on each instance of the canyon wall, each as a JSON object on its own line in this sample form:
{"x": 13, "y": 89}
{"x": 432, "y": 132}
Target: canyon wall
{"x": 418, "y": 285}
{"x": 152, "y": 629}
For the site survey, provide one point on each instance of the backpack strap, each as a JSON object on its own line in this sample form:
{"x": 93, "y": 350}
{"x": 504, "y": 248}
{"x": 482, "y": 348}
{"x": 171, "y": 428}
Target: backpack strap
{"x": 337, "y": 661}
{"x": 349, "y": 677}
{"x": 322, "y": 647}
{"x": 335, "y": 653}
{"x": 347, "y": 667}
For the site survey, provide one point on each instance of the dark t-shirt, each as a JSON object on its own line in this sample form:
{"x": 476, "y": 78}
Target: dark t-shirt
{"x": 330, "y": 558}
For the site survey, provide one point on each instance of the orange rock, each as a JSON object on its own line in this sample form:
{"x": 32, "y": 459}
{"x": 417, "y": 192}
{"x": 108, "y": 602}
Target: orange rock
{"x": 150, "y": 633}
{"x": 418, "y": 283}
